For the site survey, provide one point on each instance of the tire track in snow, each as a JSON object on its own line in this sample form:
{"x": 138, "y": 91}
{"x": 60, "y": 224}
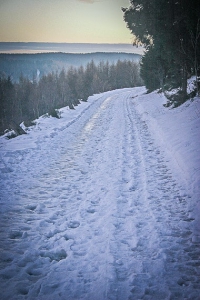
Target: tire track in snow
{"x": 103, "y": 220}
{"x": 167, "y": 266}
{"x": 61, "y": 203}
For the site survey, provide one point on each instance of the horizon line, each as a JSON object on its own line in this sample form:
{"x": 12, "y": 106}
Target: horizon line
{"x": 69, "y": 43}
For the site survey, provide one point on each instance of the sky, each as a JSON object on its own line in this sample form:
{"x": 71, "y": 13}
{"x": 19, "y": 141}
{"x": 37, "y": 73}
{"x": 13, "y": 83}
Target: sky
{"x": 63, "y": 21}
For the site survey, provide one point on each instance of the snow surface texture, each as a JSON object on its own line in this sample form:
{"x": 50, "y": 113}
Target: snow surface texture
{"x": 103, "y": 203}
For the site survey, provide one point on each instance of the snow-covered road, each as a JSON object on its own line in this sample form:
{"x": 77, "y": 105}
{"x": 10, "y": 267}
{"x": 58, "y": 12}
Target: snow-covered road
{"x": 94, "y": 212}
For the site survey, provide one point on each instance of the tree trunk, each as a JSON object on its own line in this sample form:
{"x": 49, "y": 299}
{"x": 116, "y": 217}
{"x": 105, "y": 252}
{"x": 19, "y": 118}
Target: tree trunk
{"x": 184, "y": 83}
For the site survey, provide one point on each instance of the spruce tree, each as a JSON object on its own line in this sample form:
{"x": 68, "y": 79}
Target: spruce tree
{"x": 170, "y": 32}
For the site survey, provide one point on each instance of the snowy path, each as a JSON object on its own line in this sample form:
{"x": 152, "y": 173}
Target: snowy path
{"x": 95, "y": 213}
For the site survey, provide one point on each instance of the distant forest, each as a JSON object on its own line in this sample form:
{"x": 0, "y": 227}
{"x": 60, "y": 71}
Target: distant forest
{"x": 39, "y": 64}
{"x": 28, "y": 99}
{"x": 170, "y": 32}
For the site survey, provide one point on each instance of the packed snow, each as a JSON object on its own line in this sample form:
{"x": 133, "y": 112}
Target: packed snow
{"x": 104, "y": 202}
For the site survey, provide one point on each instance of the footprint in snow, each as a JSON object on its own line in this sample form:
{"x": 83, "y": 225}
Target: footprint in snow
{"x": 31, "y": 207}
{"x": 54, "y": 255}
{"x": 73, "y": 224}
{"x": 91, "y": 210}
{"x": 34, "y": 271}
{"x": 78, "y": 250}
{"x": 15, "y": 234}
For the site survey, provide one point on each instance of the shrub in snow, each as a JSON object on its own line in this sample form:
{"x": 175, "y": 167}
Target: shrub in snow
{"x": 11, "y": 134}
{"x": 29, "y": 123}
{"x": 55, "y": 113}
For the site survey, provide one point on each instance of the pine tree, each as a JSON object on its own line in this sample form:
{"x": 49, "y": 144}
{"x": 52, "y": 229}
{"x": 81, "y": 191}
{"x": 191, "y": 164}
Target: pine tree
{"x": 170, "y": 31}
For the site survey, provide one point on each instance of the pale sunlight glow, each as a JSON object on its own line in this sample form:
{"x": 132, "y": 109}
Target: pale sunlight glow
{"x": 67, "y": 21}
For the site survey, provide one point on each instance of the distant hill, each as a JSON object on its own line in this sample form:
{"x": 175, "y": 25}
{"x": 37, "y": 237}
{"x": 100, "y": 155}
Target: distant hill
{"x": 32, "y": 65}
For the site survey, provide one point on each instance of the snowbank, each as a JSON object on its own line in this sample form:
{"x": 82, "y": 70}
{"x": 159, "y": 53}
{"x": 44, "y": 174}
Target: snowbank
{"x": 46, "y": 127}
{"x": 177, "y": 132}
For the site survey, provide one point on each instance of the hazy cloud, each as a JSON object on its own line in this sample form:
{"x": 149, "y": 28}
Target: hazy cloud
{"x": 2, "y": 2}
{"x": 89, "y": 1}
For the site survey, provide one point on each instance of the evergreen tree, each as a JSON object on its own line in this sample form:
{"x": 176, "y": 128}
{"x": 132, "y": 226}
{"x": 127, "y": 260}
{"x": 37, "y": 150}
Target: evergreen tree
{"x": 27, "y": 100}
{"x": 7, "y": 102}
{"x": 170, "y": 31}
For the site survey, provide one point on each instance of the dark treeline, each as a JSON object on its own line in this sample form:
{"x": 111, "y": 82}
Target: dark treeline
{"x": 29, "y": 99}
{"x": 170, "y": 31}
